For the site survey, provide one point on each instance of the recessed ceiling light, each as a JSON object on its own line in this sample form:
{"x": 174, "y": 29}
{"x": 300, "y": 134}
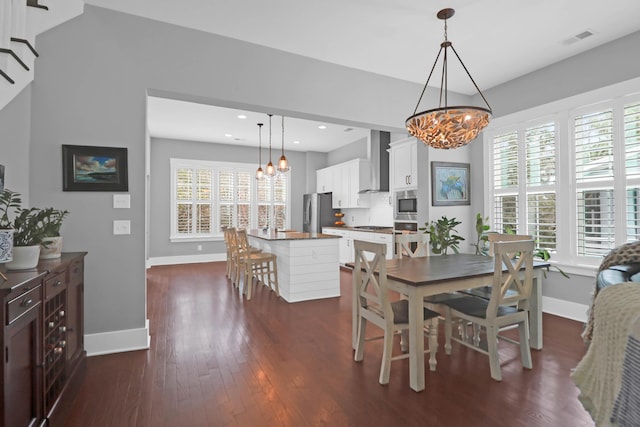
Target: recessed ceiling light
{"x": 322, "y": 127}
{"x": 228, "y": 135}
{"x": 296, "y": 142}
{"x": 242, "y": 116}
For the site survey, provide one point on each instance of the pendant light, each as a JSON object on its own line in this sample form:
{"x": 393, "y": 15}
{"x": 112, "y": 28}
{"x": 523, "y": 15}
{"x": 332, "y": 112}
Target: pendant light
{"x": 448, "y": 126}
{"x": 270, "y": 170}
{"x": 260, "y": 172}
{"x": 283, "y": 164}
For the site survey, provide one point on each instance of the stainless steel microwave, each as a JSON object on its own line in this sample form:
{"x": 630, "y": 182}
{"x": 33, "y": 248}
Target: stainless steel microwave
{"x": 406, "y": 205}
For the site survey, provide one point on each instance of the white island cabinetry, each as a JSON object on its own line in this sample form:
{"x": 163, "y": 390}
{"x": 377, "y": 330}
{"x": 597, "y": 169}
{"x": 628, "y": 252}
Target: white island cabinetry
{"x": 308, "y": 264}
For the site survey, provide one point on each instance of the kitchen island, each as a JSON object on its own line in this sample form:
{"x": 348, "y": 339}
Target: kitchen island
{"x": 308, "y": 264}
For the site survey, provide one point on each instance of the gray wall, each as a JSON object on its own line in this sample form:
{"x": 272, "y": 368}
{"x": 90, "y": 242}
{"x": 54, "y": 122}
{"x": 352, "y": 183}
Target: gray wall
{"x": 355, "y": 150}
{"x": 160, "y": 184}
{"x": 90, "y": 87}
{"x": 14, "y": 143}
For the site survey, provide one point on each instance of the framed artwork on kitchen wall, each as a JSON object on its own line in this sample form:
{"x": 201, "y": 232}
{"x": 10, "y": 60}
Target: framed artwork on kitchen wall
{"x": 88, "y": 168}
{"x": 450, "y": 184}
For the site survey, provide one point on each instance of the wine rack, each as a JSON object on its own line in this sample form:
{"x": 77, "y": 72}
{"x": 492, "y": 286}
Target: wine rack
{"x": 54, "y": 348}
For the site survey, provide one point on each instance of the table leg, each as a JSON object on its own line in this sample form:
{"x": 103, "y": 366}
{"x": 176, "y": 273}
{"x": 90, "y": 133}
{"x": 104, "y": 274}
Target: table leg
{"x": 416, "y": 341}
{"x": 535, "y": 311}
{"x": 354, "y": 312}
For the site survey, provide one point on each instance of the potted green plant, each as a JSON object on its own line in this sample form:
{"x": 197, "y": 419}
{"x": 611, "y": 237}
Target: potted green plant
{"x": 28, "y": 230}
{"x": 441, "y": 237}
{"x": 482, "y": 228}
{"x": 51, "y": 221}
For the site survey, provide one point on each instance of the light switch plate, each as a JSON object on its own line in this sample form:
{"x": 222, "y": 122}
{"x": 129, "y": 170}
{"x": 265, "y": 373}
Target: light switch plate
{"x": 121, "y": 227}
{"x": 121, "y": 201}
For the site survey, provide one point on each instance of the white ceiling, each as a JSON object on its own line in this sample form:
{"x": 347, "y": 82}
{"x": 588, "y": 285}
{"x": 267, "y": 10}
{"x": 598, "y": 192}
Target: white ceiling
{"x": 498, "y": 40}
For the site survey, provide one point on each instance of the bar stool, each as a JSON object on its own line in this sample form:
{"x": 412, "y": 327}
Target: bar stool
{"x": 261, "y": 265}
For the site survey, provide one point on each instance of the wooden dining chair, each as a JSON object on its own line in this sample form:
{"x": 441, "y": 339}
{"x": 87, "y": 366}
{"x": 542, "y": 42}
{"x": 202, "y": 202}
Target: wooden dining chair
{"x": 261, "y": 265}
{"x": 485, "y": 291}
{"x": 229, "y": 233}
{"x": 411, "y": 245}
{"x": 374, "y": 305}
{"x": 501, "y": 309}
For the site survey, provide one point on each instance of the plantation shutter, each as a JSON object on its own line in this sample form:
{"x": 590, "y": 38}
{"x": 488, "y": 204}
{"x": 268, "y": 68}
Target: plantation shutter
{"x": 244, "y": 199}
{"x": 225, "y": 196}
{"x": 540, "y": 143}
{"x": 505, "y": 181}
{"x": 632, "y": 169}
{"x": 594, "y": 183}
{"x": 280, "y": 200}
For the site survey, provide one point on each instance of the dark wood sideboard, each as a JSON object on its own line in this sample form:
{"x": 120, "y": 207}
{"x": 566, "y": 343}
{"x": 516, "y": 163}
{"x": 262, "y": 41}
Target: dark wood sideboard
{"x": 43, "y": 338}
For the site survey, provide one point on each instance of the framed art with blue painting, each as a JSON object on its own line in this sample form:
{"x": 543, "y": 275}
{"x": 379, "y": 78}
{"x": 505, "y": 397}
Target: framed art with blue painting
{"x": 450, "y": 184}
{"x": 88, "y": 168}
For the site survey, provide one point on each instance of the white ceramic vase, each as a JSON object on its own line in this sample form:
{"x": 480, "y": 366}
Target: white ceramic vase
{"x": 6, "y": 245}
{"x": 51, "y": 247}
{"x": 24, "y": 257}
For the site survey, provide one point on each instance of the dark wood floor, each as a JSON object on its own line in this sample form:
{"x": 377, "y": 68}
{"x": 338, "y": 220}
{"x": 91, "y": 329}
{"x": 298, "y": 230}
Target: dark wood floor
{"x": 218, "y": 360}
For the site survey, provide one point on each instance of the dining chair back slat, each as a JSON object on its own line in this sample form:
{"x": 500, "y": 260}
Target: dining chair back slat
{"x": 405, "y": 243}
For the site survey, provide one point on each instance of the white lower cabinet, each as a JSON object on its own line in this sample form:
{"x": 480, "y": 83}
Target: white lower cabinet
{"x": 375, "y": 238}
{"x": 347, "y": 253}
{"x": 346, "y": 244}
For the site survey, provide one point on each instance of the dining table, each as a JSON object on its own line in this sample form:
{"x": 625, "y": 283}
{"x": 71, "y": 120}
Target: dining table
{"x": 419, "y": 277}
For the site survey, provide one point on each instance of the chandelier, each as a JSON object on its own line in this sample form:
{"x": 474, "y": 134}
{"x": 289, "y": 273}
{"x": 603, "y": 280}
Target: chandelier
{"x": 447, "y": 126}
{"x": 283, "y": 164}
{"x": 260, "y": 172}
{"x": 270, "y": 171}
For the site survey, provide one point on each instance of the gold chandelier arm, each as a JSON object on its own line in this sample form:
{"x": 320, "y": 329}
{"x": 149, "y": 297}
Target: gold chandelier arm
{"x": 471, "y": 78}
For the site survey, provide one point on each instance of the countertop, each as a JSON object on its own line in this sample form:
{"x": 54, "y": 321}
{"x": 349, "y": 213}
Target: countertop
{"x": 273, "y": 235}
{"x": 388, "y": 230}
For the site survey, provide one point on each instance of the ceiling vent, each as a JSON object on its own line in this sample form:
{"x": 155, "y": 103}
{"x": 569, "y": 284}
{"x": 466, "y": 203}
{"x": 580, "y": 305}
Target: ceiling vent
{"x": 578, "y": 37}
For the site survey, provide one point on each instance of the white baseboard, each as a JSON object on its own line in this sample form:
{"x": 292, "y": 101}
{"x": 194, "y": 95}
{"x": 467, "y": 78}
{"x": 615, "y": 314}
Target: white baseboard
{"x": 118, "y": 341}
{"x": 185, "y": 259}
{"x": 567, "y": 309}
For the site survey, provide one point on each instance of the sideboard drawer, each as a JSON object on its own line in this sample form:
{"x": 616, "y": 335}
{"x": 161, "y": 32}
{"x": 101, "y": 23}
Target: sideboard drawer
{"x": 24, "y": 303}
{"x": 54, "y": 285}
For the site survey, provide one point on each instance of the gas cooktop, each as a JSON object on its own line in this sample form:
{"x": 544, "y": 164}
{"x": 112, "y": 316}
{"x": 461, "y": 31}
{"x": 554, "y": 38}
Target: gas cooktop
{"x": 373, "y": 227}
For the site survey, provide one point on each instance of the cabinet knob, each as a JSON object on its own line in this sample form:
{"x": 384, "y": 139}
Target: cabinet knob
{"x": 58, "y": 283}
{"x": 26, "y": 302}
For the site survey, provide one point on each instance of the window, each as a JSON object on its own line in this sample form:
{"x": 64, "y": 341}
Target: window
{"x": 207, "y": 196}
{"x": 579, "y": 167}
{"x": 524, "y": 165}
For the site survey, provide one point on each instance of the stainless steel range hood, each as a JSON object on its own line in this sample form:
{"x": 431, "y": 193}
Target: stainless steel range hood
{"x": 379, "y": 158}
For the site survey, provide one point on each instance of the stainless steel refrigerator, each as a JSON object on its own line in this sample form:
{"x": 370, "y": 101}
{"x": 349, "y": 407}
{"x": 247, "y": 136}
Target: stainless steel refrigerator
{"x": 318, "y": 212}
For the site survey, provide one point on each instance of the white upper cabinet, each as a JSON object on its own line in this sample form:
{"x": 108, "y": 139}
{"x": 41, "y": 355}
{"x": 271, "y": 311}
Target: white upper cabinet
{"x": 345, "y": 181}
{"x": 324, "y": 181}
{"x": 403, "y": 157}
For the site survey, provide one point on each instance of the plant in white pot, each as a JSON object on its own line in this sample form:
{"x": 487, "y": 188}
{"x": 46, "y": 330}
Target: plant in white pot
{"x": 28, "y": 231}
{"x": 51, "y": 221}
